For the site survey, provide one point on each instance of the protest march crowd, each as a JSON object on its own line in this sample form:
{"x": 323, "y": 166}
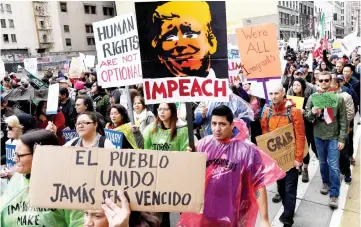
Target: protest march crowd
{"x": 238, "y": 171}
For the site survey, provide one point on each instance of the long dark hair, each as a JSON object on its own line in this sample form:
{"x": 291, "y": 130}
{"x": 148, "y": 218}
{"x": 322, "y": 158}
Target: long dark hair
{"x": 173, "y": 121}
{"x": 87, "y": 101}
{"x": 40, "y": 137}
{"x": 39, "y": 109}
{"x": 92, "y": 115}
{"x": 122, "y": 111}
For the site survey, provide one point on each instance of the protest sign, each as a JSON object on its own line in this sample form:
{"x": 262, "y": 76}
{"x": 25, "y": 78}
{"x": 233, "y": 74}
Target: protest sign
{"x": 293, "y": 43}
{"x": 2, "y": 69}
{"x": 154, "y": 181}
{"x": 298, "y": 101}
{"x": 76, "y": 67}
{"x": 183, "y": 66}
{"x": 309, "y": 62}
{"x": 280, "y": 144}
{"x": 327, "y": 99}
{"x": 234, "y": 68}
{"x": 349, "y": 43}
{"x": 10, "y": 152}
{"x": 36, "y": 80}
{"x": 31, "y": 65}
{"x": 89, "y": 61}
{"x": 117, "y": 45}
{"x": 258, "y": 48}
{"x": 114, "y": 136}
{"x": 53, "y": 99}
{"x": 69, "y": 135}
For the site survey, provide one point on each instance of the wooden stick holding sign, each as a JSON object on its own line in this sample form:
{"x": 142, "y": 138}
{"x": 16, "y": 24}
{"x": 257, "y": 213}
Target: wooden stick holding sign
{"x": 189, "y": 111}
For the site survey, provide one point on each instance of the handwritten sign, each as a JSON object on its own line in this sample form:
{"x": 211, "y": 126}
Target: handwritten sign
{"x": 69, "y": 135}
{"x": 324, "y": 100}
{"x": 31, "y": 65}
{"x": 117, "y": 45}
{"x": 76, "y": 67}
{"x": 258, "y": 47}
{"x": 10, "y": 152}
{"x": 53, "y": 99}
{"x": 154, "y": 181}
{"x": 115, "y": 137}
{"x": 280, "y": 145}
{"x": 298, "y": 100}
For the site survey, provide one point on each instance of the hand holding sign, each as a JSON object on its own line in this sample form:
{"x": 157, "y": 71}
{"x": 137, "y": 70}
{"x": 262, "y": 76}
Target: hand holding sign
{"x": 117, "y": 216}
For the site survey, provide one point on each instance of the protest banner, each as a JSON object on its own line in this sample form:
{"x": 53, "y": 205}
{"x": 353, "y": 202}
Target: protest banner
{"x": 76, "y": 67}
{"x": 117, "y": 45}
{"x": 89, "y": 61}
{"x": 327, "y": 99}
{"x": 69, "y": 135}
{"x": 10, "y": 152}
{"x": 53, "y": 99}
{"x": 298, "y": 101}
{"x": 280, "y": 144}
{"x": 114, "y": 136}
{"x": 31, "y": 65}
{"x": 349, "y": 43}
{"x": 36, "y": 80}
{"x": 188, "y": 66}
{"x": 154, "y": 181}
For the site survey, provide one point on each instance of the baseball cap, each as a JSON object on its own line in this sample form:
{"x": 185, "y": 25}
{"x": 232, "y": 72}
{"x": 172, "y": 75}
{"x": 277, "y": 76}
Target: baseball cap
{"x": 340, "y": 76}
{"x": 62, "y": 80}
{"x": 300, "y": 71}
{"x": 334, "y": 57}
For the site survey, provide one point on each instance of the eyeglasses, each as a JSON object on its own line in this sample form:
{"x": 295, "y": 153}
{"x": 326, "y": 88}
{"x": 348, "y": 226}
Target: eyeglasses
{"x": 17, "y": 157}
{"x": 84, "y": 123}
{"x": 325, "y": 80}
{"x": 163, "y": 109}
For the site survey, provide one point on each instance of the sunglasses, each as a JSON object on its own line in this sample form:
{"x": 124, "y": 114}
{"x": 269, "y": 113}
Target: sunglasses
{"x": 10, "y": 127}
{"x": 325, "y": 80}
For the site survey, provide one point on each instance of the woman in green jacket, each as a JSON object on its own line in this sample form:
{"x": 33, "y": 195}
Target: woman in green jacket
{"x": 14, "y": 203}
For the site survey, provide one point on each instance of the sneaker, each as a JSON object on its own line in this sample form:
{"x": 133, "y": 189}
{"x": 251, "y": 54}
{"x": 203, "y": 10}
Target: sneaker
{"x": 276, "y": 198}
{"x": 305, "y": 178}
{"x": 299, "y": 170}
{"x": 333, "y": 202}
{"x": 352, "y": 160}
{"x": 325, "y": 189}
{"x": 348, "y": 179}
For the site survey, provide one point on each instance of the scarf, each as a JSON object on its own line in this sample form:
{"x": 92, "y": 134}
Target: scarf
{"x": 326, "y": 114}
{"x": 138, "y": 118}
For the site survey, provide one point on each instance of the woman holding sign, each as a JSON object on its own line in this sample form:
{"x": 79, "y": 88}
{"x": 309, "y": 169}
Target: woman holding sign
{"x": 17, "y": 193}
{"x": 120, "y": 122}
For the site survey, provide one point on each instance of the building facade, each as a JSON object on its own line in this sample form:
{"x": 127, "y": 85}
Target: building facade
{"x": 35, "y": 28}
{"x": 356, "y": 16}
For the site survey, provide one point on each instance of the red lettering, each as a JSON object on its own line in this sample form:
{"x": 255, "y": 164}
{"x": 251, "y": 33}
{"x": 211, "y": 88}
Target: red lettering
{"x": 158, "y": 90}
{"x": 204, "y": 84}
{"x": 183, "y": 87}
{"x": 172, "y": 86}
{"x": 110, "y": 74}
{"x": 147, "y": 89}
{"x": 109, "y": 62}
{"x": 196, "y": 88}
{"x": 105, "y": 79}
{"x": 222, "y": 88}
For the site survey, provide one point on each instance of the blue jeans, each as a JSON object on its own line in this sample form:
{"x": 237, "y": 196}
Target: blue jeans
{"x": 329, "y": 157}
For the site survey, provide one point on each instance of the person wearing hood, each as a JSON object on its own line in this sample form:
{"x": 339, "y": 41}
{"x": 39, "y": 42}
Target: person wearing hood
{"x": 119, "y": 121}
{"x": 237, "y": 173}
{"x": 281, "y": 113}
{"x": 15, "y": 208}
{"x": 310, "y": 88}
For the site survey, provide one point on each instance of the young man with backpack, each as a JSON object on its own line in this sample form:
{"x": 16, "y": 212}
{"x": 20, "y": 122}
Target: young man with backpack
{"x": 281, "y": 113}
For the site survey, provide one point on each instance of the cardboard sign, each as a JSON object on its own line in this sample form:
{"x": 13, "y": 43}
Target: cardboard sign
{"x": 183, "y": 50}
{"x": 76, "y": 67}
{"x": 280, "y": 144}
{"x": 327, "y": 99}
{"x": 31, "y": 65}
{"x": 154, "y": 181}
{"x": 117, "y": 45}
{"x": 258, "y": 48}
{"x": 10, "y": 152}
{"x": 53, "y": 99}
{"x": 298, "y": 100}
{"x": 349, "y": 43}
{"x": 115, "y": 137}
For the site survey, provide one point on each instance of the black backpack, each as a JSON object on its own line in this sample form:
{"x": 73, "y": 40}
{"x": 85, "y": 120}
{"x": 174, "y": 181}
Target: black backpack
{"x": 101, "y": 142}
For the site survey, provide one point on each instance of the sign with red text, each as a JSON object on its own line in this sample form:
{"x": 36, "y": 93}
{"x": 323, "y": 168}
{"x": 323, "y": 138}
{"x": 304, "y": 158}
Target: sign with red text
{"x": 258, "y": 48}
{"x": 183, "y": 50}
{"x": 153, "y": 181}
{"x": 117, "y": 45}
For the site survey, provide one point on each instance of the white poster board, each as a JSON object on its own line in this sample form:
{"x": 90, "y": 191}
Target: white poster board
{"x": 2, "y": 69}
{"x": 31, "y": 65}
{"x": 89, "y": 61}
{"x": 53, "y": 99}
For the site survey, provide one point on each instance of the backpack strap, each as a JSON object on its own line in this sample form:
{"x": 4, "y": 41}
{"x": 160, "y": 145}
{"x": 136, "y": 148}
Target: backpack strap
{"x": 102, "y": 141}
{"x": 287, "y": 113}
{"x": 269, "y": 115}
{"x": 75, "y": 142}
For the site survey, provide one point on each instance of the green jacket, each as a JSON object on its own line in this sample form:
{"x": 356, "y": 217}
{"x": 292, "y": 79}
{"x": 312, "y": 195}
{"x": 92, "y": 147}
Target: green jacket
{"x": 16, "y": 210}
{"x": 335, "y": 130}
{"x": 160, "y": 140}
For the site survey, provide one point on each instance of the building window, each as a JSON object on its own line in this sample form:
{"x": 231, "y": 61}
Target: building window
{"x": 42, "y": 24}
{"x": 3, "y": 23}
{"x": 11, "y": 23}
{"x": 89, "y": 9}
{"x": 280, "y": 17}
{"x": 8, "y": 8}
{"x": 287, "y": 4}
{"x": 66, "y": 28}
{"x": 296, "y": 19}
{"x": 91, "y": 41}
{"x": 88, "y": 28}
{"x": 45, "y": 38}
{"x": 68, "y": 42}
{"x": 6, "y": 38}
{"x": 1, "y": 8}
{"x": 108, "y": 11}
{"x": 63, "y": 7}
